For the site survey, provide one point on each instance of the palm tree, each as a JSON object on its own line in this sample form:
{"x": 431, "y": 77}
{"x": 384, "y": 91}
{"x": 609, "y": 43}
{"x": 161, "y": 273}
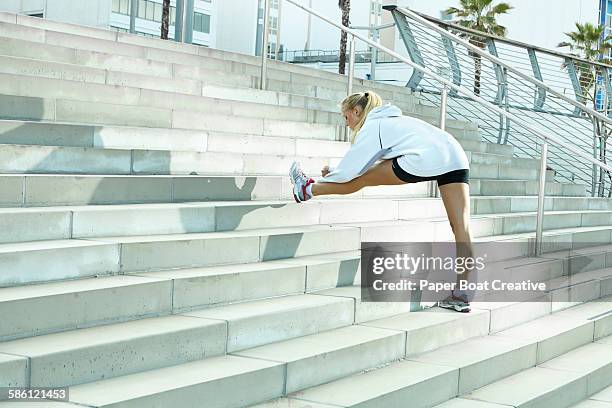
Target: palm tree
{"x": 480, "y": 15}
{"x": 345, "y": 6}
{"x": 588, "y": 43}
{"x": 165, "y": 19}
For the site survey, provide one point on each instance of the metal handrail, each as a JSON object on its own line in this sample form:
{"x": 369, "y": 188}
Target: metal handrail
{"x": 461, "y": 91}
{"x": 505, "y": 40}
{"x": 499, "y": 62}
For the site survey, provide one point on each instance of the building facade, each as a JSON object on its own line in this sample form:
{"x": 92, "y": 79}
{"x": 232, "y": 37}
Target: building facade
{"x": 115, "y": 14}
{"x": 241, "y": 25}
{"x": 149, "y": 17}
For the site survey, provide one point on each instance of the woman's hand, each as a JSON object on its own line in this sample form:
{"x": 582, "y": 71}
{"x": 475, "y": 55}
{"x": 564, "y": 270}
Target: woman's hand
{"x": 325, "y": 171}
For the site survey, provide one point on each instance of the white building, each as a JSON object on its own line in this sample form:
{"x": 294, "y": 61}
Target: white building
{"x": 236, "y": 25}
{"x": 86, "y": 12}
{"x": 114, "y": 14}
{"x": 241, "y": 24}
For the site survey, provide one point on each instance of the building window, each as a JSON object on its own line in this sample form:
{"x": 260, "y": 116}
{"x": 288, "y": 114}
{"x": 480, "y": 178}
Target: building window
{"x": 158, "y": 12}
{"x": 38, "y": 15}
{"x": 121, "y": 7}
{"x": 150, "y": 13}
{"x": 201, "y": 23}
{"x": 142, "y": 8}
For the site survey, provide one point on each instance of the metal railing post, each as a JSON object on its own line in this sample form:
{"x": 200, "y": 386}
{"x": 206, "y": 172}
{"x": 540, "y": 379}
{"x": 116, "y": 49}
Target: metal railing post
{"x": 374, "y": 55}
{"x": 351, "y": 73}
{"x": 263, "y": 76}
{"x": 133, "y": 13}
{"x": 443, "y": 105}
{"x": 178, "y": 24}
{"x": 541, "y": 192}
{"x": 189, "y": 8}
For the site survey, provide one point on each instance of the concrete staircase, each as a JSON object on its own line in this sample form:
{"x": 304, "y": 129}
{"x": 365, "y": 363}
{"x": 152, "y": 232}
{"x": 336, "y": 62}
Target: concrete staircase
{"x": 152, "y": 256}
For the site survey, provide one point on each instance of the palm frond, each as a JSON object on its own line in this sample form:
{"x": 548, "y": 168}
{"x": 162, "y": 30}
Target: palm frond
{"x": 501, "y": 8}
{"x": 480, "y": 15}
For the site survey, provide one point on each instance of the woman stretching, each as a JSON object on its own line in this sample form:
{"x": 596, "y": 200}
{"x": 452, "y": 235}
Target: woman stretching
{"x": 411, "y": 151}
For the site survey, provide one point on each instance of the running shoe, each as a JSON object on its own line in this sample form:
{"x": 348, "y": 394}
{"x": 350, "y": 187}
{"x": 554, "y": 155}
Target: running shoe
{"x": 300, "y": 183}
{"x": 456, "y": 303}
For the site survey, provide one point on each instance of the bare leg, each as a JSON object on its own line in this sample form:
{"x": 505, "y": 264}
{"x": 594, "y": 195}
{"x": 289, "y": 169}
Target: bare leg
{"x": 456, "y": 199}
{"x": 379, "y": 175}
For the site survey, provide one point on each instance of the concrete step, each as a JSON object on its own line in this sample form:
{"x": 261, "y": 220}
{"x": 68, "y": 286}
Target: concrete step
{"x": 563, "y": 331}
{"x": 34, "y": 190}
{"x": 516, "y": 223}
{"x": 90, "y": 302}
{"x": 32, "y": 224}
{"x": 218, "y": 74}
{"x": 117, "y": 349}
{"x": 318, "y": 358}
{"x": 555, "y": 383}
{"x": 68, "y": 259}
{"x": 48, "y": 223}
{"x": 266, "y": 321}
{"x": 41, "y": 190}
{"x": 164, "y": 341}
{"x": 145, "y": 138}
{"x": 194, "y": 81}
{"x": 134, "y": 46}
{"x": 81, "y": 112}
{"x": 214, "y": 380}
{"x": 310, "y": 351}
{"x": 602, "y": 399}
{"x": 119, "y": 137}
{"x": 325, "y": 357}
{"x": 79, "y": 160}
{"x": 84, "y": 160}
{"x": 44, "y": 349}
{"x": 414, "y": 208}
{"x": 32, "y": 310}
{"x": 55, "y": 221}
{"x": 472, "y": 364}
{"x": 102, "y": 299}
{"x": 522, "y": 244}
{"x": 491, "y": 205}
{"x": 522, "y": 188}
{"x": 27, "y": 97}
{"x": 156, "y": 93}
{"x": 210, "y": 59}
{"x": 213, "y": 285}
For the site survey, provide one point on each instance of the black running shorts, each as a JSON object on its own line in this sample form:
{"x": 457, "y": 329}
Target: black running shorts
{"x": 455, "y": 176}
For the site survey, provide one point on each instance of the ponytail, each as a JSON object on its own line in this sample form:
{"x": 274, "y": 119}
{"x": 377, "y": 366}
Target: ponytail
{"x": 367, "y": 101}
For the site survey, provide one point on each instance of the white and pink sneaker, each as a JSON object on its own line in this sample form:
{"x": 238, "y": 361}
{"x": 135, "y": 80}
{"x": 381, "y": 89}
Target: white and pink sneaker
{"x": 302, "y": 184}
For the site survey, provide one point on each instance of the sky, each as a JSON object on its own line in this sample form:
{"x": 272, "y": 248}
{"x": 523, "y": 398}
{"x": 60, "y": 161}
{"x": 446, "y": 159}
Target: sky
{"x": 539, "y": 22}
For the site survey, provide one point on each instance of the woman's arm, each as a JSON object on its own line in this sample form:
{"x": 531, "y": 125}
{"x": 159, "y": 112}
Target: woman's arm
{"x": 366, "y": 151}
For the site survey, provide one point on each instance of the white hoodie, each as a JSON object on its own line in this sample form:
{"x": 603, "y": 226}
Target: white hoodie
{"x": 422, "y": 149}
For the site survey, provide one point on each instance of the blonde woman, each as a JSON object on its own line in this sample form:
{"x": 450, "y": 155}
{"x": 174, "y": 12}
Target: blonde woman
{"x": 410, "y": 151}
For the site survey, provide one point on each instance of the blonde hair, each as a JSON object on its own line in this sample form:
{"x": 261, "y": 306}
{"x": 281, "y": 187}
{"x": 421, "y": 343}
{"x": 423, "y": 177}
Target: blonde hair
{"x": 367, "y": 101}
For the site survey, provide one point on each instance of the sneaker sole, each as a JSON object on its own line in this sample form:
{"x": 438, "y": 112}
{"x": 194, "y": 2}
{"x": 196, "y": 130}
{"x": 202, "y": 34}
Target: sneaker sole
{"x": 456, "y": 308}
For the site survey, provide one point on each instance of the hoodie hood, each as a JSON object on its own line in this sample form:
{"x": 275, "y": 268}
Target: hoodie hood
{"x": 385, "y": 111}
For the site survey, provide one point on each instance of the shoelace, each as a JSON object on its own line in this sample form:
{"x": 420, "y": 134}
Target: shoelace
{"x": 302, "y": 174}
